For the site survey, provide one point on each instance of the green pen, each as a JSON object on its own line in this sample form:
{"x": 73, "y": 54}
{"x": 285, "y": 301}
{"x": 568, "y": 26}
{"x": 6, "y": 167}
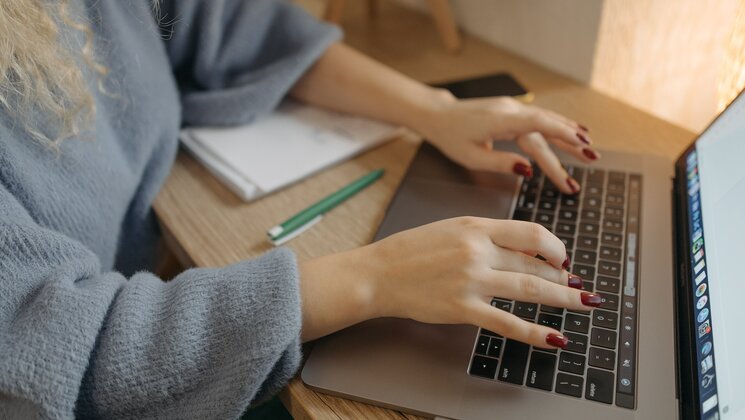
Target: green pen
{"x": 302, "y": 221}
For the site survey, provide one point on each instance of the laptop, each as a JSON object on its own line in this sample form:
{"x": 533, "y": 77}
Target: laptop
{"x": 661, "y": 241}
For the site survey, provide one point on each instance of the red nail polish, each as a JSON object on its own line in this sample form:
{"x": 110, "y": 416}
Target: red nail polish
{"x": 556, "y": 340}
{"x": 574, "y": 282}
{"x": 573, "y": 186}
{"x": 591, "y": 299}
{"x": 582, "y": 138}
{"x": 590, "y": 154}
{"x": 523, "y": 169}
{"x": 583, "y": 128}
{"x": 566, "y": 263}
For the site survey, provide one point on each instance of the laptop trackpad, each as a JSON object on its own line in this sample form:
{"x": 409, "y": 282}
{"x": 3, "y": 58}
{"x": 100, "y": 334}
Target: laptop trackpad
{"x": 436, "y": 189}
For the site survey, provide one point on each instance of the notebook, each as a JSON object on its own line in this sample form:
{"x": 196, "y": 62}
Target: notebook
{"x": 283, "y": 147}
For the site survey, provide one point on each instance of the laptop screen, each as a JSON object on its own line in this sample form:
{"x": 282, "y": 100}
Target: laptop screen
{"x": 716, "y": 204}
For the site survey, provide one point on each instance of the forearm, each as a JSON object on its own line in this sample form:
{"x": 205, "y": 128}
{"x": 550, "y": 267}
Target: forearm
{"x": 348, "y": 81}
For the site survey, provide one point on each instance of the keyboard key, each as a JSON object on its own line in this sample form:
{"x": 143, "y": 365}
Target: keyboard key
{"x": 612, "y": 225}
{"x": 541, "y": 370}
{"x": 608, "y": 301}
{"x": 572, "y": 363}
{"x": 547, "y": 205}
{"x": 551, "y": 321}
{"x": 616, "y": 177}
{"x": 594, "y": 189}
{"x": 566, "y": 214}
{"x": 501, "y": 304}
{"x": 609, "y": 268}
{"x": 614, "y": 212}
{"x": 565, "y": 228}
{"x": 604, "y": 319}
{"x": 495, "y": 347}
{"x": 588, "y": 286}
{"x": 527, "y": 204}
{"x": 483, "y": 366}
{"x": 612, "y": 239}
{"x": 589, "y": 229}
{"x": 482, "y": 345}
{"x": 584, "y": 271}
{"x": 577, "y": 323}
{"x": 614, "y": 199}
{"x": 611, "y": 253}
{"x": 587, "y": 242}
{"x": 595, "y": 176}
{"x": 602, "y": 358}
{"x": 568, "y": 201}
{"x": 590, "y": 215}
{"x": 616, "y": 187}
{"x": 592, "y": 202}
{"x": 569, "y": 385}
{"x": 525, "y": 309}
{"x": 608, "y": 284}
{"x": 576, "y": 342}
{"x": 585, "y": 257}
{"x": 599, "y": 386}
{"x": 550, "y": 193}
{"x": 542, "y": 218}
{"x": 603, "y": 338}
{"x": 514, "y": 362}
{"x": 552, "y": 309}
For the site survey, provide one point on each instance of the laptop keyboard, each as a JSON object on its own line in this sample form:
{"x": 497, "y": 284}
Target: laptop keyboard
{"x": 600, "y": 228}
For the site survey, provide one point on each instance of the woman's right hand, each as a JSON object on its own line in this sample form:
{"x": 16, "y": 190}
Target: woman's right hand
{"x": 447, "y": 273}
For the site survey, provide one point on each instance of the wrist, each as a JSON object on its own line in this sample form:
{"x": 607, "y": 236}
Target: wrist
{"x": 428, "y": 108}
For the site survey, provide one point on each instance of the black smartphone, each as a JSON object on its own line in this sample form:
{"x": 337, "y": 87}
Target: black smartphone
{"x": 501, "y": 84}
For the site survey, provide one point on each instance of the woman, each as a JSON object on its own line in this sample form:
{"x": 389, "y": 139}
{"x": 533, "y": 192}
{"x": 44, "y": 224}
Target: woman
{"x": 93, "y": 94}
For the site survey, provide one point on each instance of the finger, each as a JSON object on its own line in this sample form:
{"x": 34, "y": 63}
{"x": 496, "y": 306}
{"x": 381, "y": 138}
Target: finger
{"x": 531, "y": 119}
{"x": 535, "y": 145}
{"x": 530, "y": 288}
{"x": 510, "y": 326}
{"x": 481, "y": 158}
{"x": 582, "y": 130}
{"x": 585, "y": 154}
{"x": 518, "y": 262}
{"x": 528, "y": 238}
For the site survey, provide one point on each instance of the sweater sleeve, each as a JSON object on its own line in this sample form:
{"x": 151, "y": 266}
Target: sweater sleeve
{"x": 236, "y": 59}
{"x": 79, "y": 341}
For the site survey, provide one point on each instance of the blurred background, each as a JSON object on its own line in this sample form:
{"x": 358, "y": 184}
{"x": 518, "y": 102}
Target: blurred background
{"x": 681, "y": 60}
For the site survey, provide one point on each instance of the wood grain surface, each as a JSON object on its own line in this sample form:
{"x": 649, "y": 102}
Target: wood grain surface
{"x": 208, "y": 226}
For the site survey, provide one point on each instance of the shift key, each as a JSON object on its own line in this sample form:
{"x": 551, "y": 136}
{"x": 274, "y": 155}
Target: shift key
{"x": 514, "y": 362}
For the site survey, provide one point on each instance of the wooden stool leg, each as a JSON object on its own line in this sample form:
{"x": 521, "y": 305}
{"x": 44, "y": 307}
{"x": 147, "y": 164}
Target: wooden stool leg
{"x": 334, "y": 11}
{"x": 445, "y": 24}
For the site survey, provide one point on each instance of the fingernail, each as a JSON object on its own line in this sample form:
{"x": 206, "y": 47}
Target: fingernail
{"x": 556, "y": 340}
{"x": 575, "y": 282}
{"x": 591, "y": 299}
{"x": 566, "y": 263}
{"x": 573, "y": 185}
{"x": 583, "y": 128}
{"x": 523, "y": 169}
{"x": 582, "y": 138}
{"x": 589, "y": 153}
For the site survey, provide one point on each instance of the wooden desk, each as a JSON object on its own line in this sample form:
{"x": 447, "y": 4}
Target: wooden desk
{"x": 206, "y": 225}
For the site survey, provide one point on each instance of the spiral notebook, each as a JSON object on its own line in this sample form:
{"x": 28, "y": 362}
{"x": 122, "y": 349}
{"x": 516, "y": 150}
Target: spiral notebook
{"x": 283, "y": 147}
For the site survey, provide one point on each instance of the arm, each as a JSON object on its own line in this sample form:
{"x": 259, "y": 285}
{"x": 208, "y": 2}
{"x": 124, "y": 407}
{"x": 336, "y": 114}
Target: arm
{"x": 345, "y": 80}
{"x": 79, "y": 340}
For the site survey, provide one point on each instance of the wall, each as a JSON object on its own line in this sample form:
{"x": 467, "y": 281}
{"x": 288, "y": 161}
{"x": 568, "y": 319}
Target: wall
{"x": 666, "y": 57}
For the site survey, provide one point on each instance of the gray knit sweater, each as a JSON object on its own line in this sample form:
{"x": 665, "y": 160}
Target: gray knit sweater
{"x": 85, "y": 329}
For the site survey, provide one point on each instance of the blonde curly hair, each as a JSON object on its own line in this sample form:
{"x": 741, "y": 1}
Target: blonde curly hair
{"x": 42, "y": 72}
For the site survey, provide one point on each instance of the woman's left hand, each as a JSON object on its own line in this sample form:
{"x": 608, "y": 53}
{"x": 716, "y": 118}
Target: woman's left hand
{"x": 465, "y": 129}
